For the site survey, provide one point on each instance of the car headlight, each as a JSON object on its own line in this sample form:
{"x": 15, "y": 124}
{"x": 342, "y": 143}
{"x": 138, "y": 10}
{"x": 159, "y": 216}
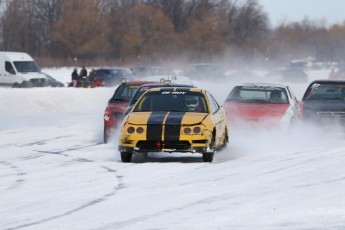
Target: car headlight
{"x": 130, "y": 130}
{"x": 191, "y": 130}
{"x": 133, "y": 129}
{"x": 197, "y": 130}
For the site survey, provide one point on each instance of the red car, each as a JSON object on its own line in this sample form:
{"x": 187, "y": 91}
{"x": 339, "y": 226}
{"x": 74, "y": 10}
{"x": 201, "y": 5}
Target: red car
{"x": 262, "y": 106}
{"x": 117, "y": 105}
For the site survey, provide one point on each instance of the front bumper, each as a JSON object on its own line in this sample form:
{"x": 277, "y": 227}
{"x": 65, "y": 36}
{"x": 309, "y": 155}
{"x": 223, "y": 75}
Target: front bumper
{"x": 185, "y": 143}
{"x": 165, "y": 148}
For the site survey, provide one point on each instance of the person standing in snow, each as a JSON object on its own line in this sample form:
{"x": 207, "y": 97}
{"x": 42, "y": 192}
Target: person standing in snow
{"x": 83, "y": 76}
{"x": 92, "y": 76}
{"x": 75, "y": 77}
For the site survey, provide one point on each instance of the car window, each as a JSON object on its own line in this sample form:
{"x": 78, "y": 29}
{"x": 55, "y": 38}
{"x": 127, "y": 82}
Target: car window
{"x": 138, "y": 93}
{"x": 177, "y": 101}
{"x": 213, "y": 102}
{"x": 125, "y": 92}
{"x": 9, "y": 67}
{"x": 324, "y": 91}
{"x": 253, "y": 94}
{"x": 26, "y": 66}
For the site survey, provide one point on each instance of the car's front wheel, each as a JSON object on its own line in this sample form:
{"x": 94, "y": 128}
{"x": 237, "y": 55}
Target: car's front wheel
{"x": 126, "y": 157}
{"x": 207, "y": 157}
{"x": 15, "y": 85}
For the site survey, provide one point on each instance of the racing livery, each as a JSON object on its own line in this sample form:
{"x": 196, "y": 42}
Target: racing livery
{"x": 262, "y": 106}
{"x": 173, "y": 119}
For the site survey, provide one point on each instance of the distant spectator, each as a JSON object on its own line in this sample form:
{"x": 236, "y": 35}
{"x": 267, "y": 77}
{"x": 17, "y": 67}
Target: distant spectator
{"x": 75, "y": 77}
{"x": 83, "y": 72}
{"x": 92, "y": 76}
{"x": 83, "y": 76}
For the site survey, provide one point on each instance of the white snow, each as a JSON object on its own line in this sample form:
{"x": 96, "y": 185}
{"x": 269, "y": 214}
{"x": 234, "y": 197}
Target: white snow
{"x": 55, "y": 173}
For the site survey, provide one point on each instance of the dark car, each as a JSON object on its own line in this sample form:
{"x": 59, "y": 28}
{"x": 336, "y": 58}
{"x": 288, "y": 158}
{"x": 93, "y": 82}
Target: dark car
{"x": 324, "y": 102}
{"x": 142, "y": 89}
{"x": 244, "y": 76}
{"x": 205, "y": 71}
{"x": 112, "y": 76}
{"x": 117, "y": 104}
{"x": 52, "y": 82}
{"x": 144, "y": 71}
{"x": 289, "y": 74}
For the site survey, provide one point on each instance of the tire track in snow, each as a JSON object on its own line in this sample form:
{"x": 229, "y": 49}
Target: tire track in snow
{"x": 18, "y": 173}
{"x": 87, "y": 204}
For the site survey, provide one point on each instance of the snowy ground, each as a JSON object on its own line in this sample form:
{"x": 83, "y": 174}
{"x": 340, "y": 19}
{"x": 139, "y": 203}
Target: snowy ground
{"x": 56, "y": 174}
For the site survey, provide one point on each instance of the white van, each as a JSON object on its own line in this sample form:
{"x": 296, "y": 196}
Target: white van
{"x": 18, "y": 69}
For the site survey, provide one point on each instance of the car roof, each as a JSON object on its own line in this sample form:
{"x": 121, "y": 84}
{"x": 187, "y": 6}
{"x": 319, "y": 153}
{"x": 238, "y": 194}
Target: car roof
{"x": 327, "y": 81}
{"x": 111, "y": 68}
{"x": 176, "y": 89}
{"x": 262, "y": 85}
{"x": 136, "y": 82}
{"x": 155, "y": 85}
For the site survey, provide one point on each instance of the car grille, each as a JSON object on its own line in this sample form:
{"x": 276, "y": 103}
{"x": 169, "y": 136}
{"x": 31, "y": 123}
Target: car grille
{"x": 38, "y": 82}
{"x": 151, "y": 145}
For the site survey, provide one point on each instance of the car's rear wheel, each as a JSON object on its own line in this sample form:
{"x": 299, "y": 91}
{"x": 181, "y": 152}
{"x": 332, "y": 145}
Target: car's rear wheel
{"x": 225, "y": 138}
{"x": 126, "y": 157}
{"x": 105, "y": 136}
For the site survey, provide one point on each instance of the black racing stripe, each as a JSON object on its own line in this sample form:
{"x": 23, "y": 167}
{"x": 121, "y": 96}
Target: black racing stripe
{"x": 155, "y": 126}
{"x": 173, "y": 126}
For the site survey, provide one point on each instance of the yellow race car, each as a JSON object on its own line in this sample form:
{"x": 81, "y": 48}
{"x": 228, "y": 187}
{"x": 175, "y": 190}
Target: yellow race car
{"x": 174, "y": 119}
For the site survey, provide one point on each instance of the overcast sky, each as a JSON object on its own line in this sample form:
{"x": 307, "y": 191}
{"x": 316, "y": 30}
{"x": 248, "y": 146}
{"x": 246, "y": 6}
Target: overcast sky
{"x": 330, "y": 11}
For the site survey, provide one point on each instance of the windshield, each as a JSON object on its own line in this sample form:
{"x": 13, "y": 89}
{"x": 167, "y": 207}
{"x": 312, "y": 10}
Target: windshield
{"x": 140, "y": 92}
{"x": 26, "y": 66}
{"x": 177, "y": 101}
{"x": 325, "y": 91}
{"x": 252, "y": 94}
{"x": 125, "y": 92}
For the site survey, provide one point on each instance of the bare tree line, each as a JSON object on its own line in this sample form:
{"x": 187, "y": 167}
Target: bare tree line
{"x": 152, "y": 31}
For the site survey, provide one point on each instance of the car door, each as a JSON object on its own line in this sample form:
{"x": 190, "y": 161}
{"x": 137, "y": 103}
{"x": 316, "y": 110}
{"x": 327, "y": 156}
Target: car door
{"x": 219, "y": 117}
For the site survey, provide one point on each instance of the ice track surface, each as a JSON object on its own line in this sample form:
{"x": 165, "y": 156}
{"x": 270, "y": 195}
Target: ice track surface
{"x": 55, "y": 173}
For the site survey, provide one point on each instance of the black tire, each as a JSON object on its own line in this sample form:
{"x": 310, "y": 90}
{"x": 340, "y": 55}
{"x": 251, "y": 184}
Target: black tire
{"x": 207, "y": 157}
{"x": 226, "y": 139}
{"x": 105, "y": 136}
{"x": 15, "y": 85}
{"x": 126, "y": 157}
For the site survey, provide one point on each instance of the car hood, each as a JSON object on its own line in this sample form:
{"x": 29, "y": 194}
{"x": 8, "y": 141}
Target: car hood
{"x": 324, "y": 105}
{"x": 171, "y": 118}
{"x": 255, "y": 110}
